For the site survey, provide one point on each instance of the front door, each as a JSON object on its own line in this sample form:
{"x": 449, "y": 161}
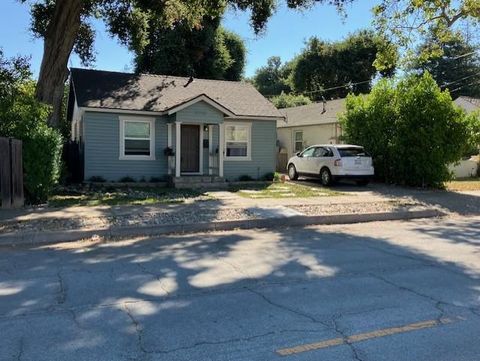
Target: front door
{"x": 190, "y": 144}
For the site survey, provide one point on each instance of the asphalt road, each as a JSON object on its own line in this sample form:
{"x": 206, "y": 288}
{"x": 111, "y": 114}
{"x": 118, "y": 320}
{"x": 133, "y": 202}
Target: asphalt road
{"x": 378, "y": 291}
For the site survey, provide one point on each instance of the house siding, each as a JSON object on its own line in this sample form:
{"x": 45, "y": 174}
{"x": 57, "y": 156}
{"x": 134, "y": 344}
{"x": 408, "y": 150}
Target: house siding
{"x": 263, "y": 155}
{"x": 199, "y": 113}
{"x": 102, "y": 149}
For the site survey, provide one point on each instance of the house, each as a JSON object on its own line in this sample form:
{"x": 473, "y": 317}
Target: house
{"x": 468, "y": 104}
{"x": 153, "y": 126}
{"x": 305, "y": 125}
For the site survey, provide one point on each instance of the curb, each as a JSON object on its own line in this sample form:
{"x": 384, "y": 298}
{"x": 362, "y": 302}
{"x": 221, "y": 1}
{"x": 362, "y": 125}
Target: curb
{"x": 48, "y": 237}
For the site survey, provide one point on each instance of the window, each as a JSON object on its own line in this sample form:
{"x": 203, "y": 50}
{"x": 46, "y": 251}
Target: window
{"x": 137, "y": 138}
{"x": 298, "y": 141}
{"x": 308, "y": 152}
{"x": 323, "y": 152}
{"x": 352, "y": 152}
{"x": 237, "y": 141}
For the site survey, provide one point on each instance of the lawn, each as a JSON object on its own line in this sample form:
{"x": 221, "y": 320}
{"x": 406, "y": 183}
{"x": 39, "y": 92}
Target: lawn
{"x": 465, "y": 184}
{"x": 281, "y": 190}
{"x": 110, "y": 195}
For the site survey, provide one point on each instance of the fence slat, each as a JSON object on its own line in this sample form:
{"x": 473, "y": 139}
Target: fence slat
{"x": 17, "y": 172}
{"x": 5, "y": 178}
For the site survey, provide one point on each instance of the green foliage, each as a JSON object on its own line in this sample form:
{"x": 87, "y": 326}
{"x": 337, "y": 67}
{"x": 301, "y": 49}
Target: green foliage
{"x": 245, "y": 178}
{"x": 409, "y": 22}
{"x": 209, "y": 52}
{"x": 127, "y": 179}
{"x": 272, "y": 79}
{"x": 412, "y": 129}
{"x": 472, "y": 121}
{"x": 23, "y": 117}
{"x": 324, "y": 65}
{"x": 97, "y": 179}
{"x": 456, "y": 65}
{"x": 290, "y": 100}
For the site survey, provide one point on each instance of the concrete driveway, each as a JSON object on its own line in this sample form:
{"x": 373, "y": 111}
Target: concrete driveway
{"x": 379, "y": 291}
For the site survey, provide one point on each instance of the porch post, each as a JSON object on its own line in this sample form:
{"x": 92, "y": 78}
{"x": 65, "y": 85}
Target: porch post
{"x": 169, "y": 144}
{"x": 221, "y": 144}
{"x": 210, "y": 149}
{"x": 178, "y": 130}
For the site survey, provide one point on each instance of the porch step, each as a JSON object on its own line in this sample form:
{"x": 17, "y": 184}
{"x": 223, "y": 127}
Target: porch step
{"x": 198, "y": 182}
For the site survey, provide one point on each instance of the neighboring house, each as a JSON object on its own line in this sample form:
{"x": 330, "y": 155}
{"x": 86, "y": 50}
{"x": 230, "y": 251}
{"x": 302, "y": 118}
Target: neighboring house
{"x": 468, "y": 104}
{"x": 310, "y": 124}
{"x": 151, "y": 126}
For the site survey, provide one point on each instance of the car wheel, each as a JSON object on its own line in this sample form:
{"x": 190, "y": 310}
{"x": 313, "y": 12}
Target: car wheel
{"x": 362, "y": 183}
{"x": 292, "y": 172}
{"x": 326, "y": 177}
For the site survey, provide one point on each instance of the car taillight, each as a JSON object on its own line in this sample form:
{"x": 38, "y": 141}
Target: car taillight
{"x": 337, "y": 163}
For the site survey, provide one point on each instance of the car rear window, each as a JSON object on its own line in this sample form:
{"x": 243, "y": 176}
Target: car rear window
{"x": 352, "y": 152}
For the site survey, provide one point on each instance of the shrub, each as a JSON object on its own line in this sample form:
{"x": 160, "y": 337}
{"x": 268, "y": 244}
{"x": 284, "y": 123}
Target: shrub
{"x": 157, "y": 179}
{"x": 127, "y": 179}
{"x": 97, "y": 179}
{"x": 23, "y": 117}
{"x": 411, "y": 128}
{"x": 245, "y": 178}
{"x": 268, "y": 176}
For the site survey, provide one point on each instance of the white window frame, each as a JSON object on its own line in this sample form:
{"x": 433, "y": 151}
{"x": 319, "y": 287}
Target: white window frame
{"x": 295, "y": 141}
{"x": 249, "y": 141}
{"x": 132, "y": 119}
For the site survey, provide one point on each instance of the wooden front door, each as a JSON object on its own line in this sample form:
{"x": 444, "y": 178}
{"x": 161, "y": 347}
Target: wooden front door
{"x": 190, "y": 153}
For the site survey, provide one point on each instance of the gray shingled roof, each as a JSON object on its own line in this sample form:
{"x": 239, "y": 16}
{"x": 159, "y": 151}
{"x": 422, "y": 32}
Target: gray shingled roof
{"x": 312, "y": 114}
{"x": 146, "y": 92}
{"x": 468, "y": 104}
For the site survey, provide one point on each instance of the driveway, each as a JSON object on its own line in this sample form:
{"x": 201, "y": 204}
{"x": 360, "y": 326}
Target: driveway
{"x": 378, "y": 291}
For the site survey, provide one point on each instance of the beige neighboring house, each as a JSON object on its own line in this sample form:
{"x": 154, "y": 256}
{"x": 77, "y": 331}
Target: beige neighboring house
{"x": 468, "y": 104}
{"x": 310, "y": 124}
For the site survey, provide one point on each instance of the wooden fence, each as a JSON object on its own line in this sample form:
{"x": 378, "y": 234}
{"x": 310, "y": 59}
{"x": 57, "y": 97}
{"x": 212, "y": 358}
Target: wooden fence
{"x": 11, "y": 173}
{"x": 282, "y": 159}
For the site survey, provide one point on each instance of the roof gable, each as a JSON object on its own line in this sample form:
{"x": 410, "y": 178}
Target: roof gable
{"x": 312, "y": 114}
{"x": 164, "y": 94}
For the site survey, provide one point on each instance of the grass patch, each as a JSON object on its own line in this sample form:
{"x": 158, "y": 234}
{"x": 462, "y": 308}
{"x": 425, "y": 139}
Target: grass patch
{"x": 281, "y": 190}
{"x": 464, "y": 184}
{"x": 112, "y": 196}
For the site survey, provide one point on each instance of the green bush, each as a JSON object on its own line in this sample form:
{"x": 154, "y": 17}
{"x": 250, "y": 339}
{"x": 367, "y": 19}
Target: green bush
{"x": 127, "y": 179}
{"x": 290, "y": 100}
{"x": 97, "y": 179}
{"x": 268, "y": 176}
{"x": 412, "y": 129}
{"x": 245, "y": 178}
{"x": 23, "y": 117}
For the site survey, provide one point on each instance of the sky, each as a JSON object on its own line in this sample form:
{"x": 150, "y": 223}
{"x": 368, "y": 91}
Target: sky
{"x": 285, "y": 35}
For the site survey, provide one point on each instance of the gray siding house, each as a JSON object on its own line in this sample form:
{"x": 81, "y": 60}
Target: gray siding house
{"x": 152, "y": 126}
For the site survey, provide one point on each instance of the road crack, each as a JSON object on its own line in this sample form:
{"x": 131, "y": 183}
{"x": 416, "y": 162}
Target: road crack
{"x": 345, "y": 338}
{"x": 62, "y": 293}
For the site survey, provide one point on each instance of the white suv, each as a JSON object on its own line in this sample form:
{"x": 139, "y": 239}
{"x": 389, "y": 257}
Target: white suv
{"x": 331, "y": 162}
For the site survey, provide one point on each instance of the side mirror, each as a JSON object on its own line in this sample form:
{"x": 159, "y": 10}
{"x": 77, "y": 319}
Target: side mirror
{"x": 298, "y": 154}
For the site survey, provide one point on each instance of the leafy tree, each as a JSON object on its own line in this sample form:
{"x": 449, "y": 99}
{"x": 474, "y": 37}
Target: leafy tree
{"x": 24, "y": 118}
{"x": 457, "y": 68}
{"x": 272, "y": 79}
{"x": 323, "y": 65}
{"x": 289, "y": 100}
{"x": 209, "y": 52}
{"x": 406, "y": 22}
{"x": 412, "y": 129}
{"x": 65, "y": 26}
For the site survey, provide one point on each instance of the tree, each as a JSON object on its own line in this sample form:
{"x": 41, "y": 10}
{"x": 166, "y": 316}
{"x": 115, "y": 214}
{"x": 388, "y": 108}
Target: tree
{"x": 272, "y": 79}
{"x": 323, "y": 65}
{"x": 65, "y": 26}
{"x": 289, "y": 100}
{"x": 412, "y": 129}
{"x": 209, "y": 52}
{"x": 408, "y": 22}
{"x": 458, "y": 68}
{"x": 24, "y": 118}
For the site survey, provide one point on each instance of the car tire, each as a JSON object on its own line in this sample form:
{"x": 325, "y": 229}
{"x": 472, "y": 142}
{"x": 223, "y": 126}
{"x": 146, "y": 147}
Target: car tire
{"x": 292, "y": 172}
{"x": 326, "y": 177}
{"x": 362, "y": 182}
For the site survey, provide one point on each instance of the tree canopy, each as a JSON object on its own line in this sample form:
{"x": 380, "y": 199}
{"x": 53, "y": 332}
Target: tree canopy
{"x": 209, "y": 52}
{"x": 289, "y": 100}
{"x": 273, "y": 78}
{"x": 457, "y": 69}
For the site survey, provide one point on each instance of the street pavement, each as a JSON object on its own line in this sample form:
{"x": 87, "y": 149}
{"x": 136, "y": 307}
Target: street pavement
{"x": 376, "y": 291}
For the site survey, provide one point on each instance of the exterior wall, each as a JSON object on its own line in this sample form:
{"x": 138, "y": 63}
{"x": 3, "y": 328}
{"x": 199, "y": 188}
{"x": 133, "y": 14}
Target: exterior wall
{"x": 312, "y": 134}
{"x": 199, "y": 113}
{"x": 465, "y": 168}
{"x": 263, "y": 153}
{"x": 102, "y": 149}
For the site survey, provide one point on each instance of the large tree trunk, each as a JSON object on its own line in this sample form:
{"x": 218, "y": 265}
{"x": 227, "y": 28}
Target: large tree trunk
{"x": 58, "y": 44}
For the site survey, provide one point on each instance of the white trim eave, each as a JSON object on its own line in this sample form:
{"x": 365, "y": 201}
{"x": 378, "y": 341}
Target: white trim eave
{"x": 253, "y": 117}
{"x": 121, "y": 111}
{"x": 200, "y": 98}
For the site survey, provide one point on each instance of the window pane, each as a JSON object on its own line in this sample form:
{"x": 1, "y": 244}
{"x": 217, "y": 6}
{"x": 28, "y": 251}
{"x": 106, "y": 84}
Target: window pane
{"x": 352, "y": 152}
{"x": 236, "y": 149}
{"x": 298, "y": 136}
{"x": 137, "y": 129}
{"x": 298, "y": 146}
{"x": 236, "y": 133}
{"x": 137, "y": 147}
